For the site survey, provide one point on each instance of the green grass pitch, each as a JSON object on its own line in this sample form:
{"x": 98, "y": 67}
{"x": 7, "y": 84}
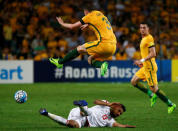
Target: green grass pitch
{"x": 57, "y": 98}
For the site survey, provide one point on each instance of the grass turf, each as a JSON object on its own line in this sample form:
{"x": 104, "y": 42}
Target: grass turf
{"x": 57, "y": 98}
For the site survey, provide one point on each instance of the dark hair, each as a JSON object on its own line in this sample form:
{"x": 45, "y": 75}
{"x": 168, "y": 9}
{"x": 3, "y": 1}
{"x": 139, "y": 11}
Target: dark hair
{"x": 119, "y": 105}
{"x": 123, "y": 107}
{"x": 88, "y": 6}
{"x": 145, "y": 23}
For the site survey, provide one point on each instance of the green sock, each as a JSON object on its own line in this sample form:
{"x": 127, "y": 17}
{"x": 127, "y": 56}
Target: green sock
{"x": 163, "y": 97}
{"x": 69, "y": 56}
{"x": 96, "y": 63}
{"x": 141, "y": 87}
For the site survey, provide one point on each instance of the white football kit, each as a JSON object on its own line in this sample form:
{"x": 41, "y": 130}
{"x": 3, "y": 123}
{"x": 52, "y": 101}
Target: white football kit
{"x": 75, "y": 115}
{"x": 99, "y": 117}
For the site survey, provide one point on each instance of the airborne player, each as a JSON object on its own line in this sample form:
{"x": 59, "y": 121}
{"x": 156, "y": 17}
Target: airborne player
{"x": 99, "y": 50}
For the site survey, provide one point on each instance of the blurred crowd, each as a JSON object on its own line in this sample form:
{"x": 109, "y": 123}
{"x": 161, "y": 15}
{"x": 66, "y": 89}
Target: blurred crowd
{"x": 29, "y": 29}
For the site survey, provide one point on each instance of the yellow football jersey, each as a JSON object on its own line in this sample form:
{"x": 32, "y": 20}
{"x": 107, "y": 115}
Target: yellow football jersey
{"x": 145, "y": 44}
{"x": 100, "y": 25}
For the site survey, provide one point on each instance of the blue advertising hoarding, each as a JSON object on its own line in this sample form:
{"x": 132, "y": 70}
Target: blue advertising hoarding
{"x": 81, "y": 71}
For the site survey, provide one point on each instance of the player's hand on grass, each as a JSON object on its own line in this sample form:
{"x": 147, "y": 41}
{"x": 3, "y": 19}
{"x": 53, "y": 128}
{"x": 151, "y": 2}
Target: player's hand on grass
{"x": 59, "y": 19}
{"x": 116, "y": 124}
{"x": 130, "y": 126}
{"x": 83, "y": 26}
{"x": 138, "y": 63}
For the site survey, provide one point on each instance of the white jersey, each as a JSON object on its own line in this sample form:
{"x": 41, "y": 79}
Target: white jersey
{"x": 100, "y": 116}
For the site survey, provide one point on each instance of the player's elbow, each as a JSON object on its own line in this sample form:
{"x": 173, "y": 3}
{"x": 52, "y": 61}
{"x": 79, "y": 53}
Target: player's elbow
{"x": 96, "y": 102}
{"x": 154, "y": 54}
{"x": 71, "y": 27}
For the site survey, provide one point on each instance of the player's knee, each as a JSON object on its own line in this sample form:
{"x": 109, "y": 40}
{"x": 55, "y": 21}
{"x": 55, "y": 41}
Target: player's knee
{"x": 90, "y": 58}
{"x": 81, "y": 49}
{"x": 89, "y": 61}
{"x": 133, "y": 82}
{"x": 73, "y": 124}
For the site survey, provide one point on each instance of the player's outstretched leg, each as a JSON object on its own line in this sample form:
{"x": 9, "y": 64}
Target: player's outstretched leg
{"x": 59, "y": 119}
{"x": 164, "y": 98}
{"x": 102, "y": 65}
{"x": 69, "y": 56}
{"x": 153, "y": 97}
{"x": 56, "y": 118}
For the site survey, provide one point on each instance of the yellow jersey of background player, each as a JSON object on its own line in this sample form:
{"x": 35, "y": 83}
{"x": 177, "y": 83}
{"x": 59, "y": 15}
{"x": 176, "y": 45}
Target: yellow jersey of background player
{"x": 146, "y": 43}
{"x": 149, "y": 70}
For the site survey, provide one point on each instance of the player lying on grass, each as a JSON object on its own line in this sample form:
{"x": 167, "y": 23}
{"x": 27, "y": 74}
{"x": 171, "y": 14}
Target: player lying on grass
{"x": 149, "y": 70}
{"x": 101, "y": 115}
{"x": 98, "y": 50}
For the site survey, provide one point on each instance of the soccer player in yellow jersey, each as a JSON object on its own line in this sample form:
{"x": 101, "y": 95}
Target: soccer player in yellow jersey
{"x": 149, "y": 69}
{"x": 99, "y": 50}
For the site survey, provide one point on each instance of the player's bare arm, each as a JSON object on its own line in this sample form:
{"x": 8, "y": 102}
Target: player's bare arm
{"x": 152, "y": 53}
{"x": 122, "y": 126}
{"x": 105, "y": 103}
{"x": 100, "y": 102}
{"x": 68, "y": 25}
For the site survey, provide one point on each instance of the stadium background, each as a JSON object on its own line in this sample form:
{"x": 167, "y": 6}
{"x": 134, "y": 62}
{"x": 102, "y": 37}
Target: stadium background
{"x": 29, "y": 29}
{"x": 30, "y": 34}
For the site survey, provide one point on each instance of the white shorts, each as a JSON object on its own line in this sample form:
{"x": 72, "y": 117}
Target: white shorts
{"x": 75, "y": 115}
